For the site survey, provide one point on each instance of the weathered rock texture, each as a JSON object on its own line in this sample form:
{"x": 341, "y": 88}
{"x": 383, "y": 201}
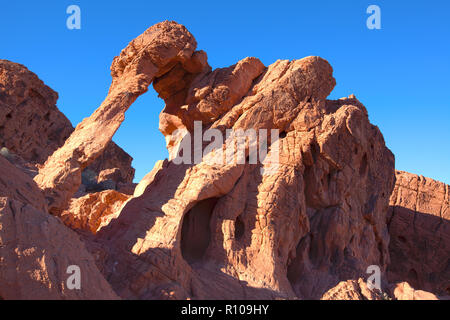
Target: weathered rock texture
{"x": 403, "y": 291}
{"x": 303, "y": 221}
{"x": 209, "y": 230}
{"x": 419, "y": 226}
{"x": 16, "y": 185}
{"x": 359, "y": 290}
{"x": 32, "y": 127}
{"x": 354, "y": 290}
{"x": 30, "y": 123}
{"x": 152, "y": 54}
{"x": 94, "y": 210}
{"x": 35, "y": 251}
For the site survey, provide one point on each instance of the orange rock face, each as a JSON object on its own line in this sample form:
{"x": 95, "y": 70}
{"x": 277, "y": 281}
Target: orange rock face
{"x": 227, "y": 231}
{"x": 152, "y": 54}
{"x": 403, "y": 291}
{"x": 353, "y": 290}
{"x": 30, "y": 123}
{"x": 304, "y": 221}
{"x": 32, "y": 127}
{"x": 94, "y": 210}
{"x": 419, "y": 226}
{"x": 36, "y": 250}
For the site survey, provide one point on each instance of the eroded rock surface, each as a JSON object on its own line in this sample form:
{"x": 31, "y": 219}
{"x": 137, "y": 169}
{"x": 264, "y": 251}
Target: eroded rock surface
{"x": 32, "y": 127}
{"x": 30, "y": 123}
{"x": 354, "y": 290}
{"x": 94, "y": 210}
{"x": 17, "y": 185}
{"x": 35, "y": 251}
{"x": 152, "y": 54}
{"x": 360, "y": 290}
{"x": 419, "y": 226}
{"x": 208, "y": 230}
{"x": 303, "y": 221}
{"x": 403, "y": 291}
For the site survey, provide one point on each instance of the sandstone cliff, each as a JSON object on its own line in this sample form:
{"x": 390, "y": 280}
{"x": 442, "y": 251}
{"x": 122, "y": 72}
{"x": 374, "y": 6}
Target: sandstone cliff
{"x": 419, "y": 225}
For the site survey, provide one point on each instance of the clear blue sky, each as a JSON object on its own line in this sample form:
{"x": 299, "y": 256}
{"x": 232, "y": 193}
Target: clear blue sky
{"x": 401, "y": 72}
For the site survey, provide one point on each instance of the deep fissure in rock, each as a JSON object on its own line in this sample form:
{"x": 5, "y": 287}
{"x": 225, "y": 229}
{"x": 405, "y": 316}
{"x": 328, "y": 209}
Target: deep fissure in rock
{"x": 239, "y": 228}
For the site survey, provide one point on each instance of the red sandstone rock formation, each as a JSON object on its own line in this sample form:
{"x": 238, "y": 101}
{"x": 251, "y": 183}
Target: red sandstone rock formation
{"x": 16, "y": 185}
{"x": 307, "y": 226}
{"x": 36, "y": 248}
{"x": 32, "y": 127}
{"x": 419, "y": 226}
{"x": 150, "y": 55}
{"x": 403, "y": 291}
{"x": 227, "y": 231}
{"x": 359, "y": 290}
{"x": 35, "y": 251}
{"x": 354, "y": 290}
{"x": 94, "y": 210}
{"x": 30, "y": 123}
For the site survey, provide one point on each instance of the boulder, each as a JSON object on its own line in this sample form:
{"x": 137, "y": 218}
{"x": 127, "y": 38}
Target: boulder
{"x": 93, "y": 210}
{"x": 354, "y": 290}
{"x": 403, "y": 291}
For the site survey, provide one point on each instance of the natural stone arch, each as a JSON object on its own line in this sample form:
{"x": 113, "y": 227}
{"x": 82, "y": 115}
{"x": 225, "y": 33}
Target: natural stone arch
{"x": 151, "y": 55}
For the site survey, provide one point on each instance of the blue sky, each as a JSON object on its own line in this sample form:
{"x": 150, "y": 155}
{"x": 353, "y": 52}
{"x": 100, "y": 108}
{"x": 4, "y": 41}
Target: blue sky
{"x": 401, "y": 72}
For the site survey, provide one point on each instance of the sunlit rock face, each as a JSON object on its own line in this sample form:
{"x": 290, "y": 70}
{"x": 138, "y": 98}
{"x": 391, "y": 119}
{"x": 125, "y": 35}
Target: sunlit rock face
{"x": 300, "y": 213}
{"x": 205, "y": 229}
{"x": 32, "y": 129}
